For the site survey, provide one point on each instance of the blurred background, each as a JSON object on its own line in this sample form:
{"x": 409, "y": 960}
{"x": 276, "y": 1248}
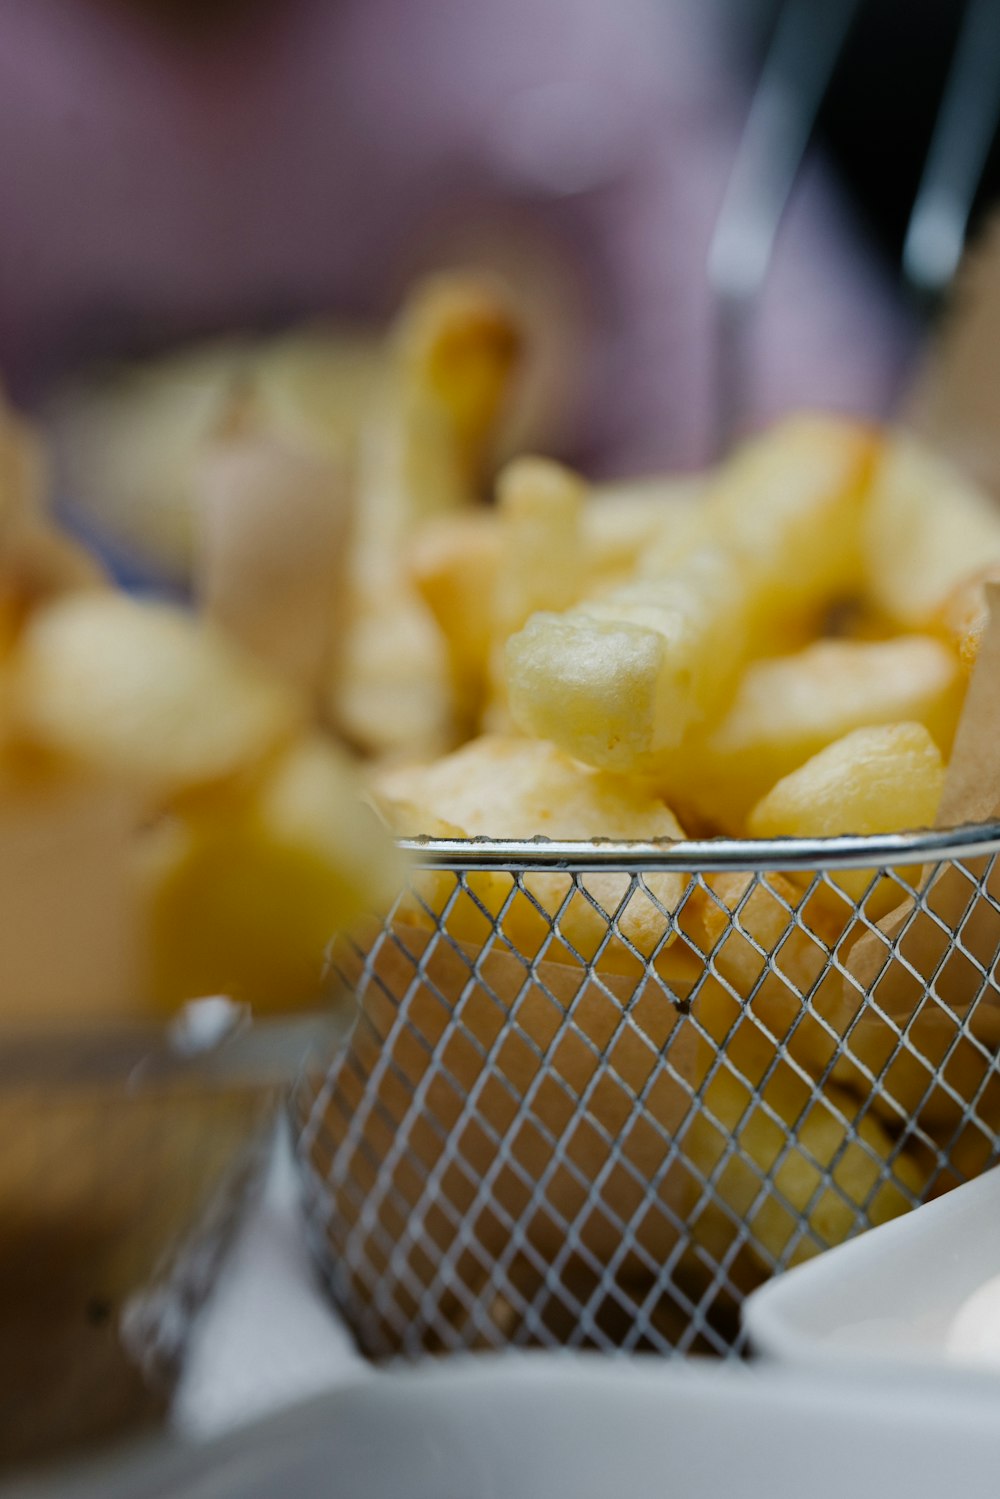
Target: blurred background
{"x": 171, "y": 168}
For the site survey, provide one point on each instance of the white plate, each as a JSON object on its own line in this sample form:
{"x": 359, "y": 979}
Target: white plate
{"x": 889, "y": 1297}
{"x": 547, "y": 1426}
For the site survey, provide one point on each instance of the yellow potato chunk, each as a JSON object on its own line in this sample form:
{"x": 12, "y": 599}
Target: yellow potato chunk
{"x": 927, "y": 527}
{"x": 791, "y": 503}
{"x": 788, "y": 709}
{"x": 619, "y": 680}
{"x": 807, "y": 1171}
{"x": 390, "y": 693}
{"x": 245, "y": 893}
{"x": 519, "y": 788}
{"x": 628, "y": 522}
{"x": 452, "y": 562}
{"x": 882, "y": 779}
{"x": 145, "y": 692}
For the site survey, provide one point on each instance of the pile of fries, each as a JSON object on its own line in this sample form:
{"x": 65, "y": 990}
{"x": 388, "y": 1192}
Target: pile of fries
{"x": 778, "y": 647}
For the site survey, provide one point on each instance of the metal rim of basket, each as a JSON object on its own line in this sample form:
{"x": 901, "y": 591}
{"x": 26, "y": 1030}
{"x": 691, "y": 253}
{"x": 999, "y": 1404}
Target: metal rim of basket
{"x": 699, "y": 856}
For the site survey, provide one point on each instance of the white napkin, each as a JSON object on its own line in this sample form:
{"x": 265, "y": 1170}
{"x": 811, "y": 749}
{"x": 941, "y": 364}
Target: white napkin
{"x": 268, "y": 1336}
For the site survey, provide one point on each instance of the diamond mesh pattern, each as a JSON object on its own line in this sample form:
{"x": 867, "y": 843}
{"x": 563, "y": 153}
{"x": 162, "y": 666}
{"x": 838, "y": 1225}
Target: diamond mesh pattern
{"x": 594, "y": 1103}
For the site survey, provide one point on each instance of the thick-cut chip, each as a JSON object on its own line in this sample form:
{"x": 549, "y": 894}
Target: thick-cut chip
{"x": 521, "y": 788}
{"x": 788, "y": 709}
{"x": 390, "y": 691}
{"x": 927, "y": 527}
{"x": 428, "y": 438}
{"x": 883, "y": 779}
{"x": 770, "y": 944}
{"x": 145, "y": 692}
{"x": 542, "y": 562}
{"x": 453, "y": 561}
{"x": 245, "y": 893}
{"x": 620, "y": 680}
{"x": 791, "y": 503}
{"x": 458, "y": 339}
{"x": 626, "y": 523}
{"x": 801, "y": 1167}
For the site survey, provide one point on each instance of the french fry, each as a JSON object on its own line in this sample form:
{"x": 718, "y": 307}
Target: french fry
{"x": 245, "y": 891}
{"x": 807, "y": 1166}
{"x": 927, "y": 527}
{"x": 788, "y": 709}
{"x": 520, "y": 788}
{"x": 918, "y": 989}
{"x": 617, "y": 681}
{"x": 542, "y": 561}
{"x": 452, "y": 561}
{"x": 627, "y": 523}
{"x": 427, "y": 442}
{"x": 390, "y": 692}
{"x": 885, "y": 779}
{"x": 620, "y": 680}
{"x": 792, "y": 504}
{"x": 769, "y": 945}
{"x": 145, "y": 693}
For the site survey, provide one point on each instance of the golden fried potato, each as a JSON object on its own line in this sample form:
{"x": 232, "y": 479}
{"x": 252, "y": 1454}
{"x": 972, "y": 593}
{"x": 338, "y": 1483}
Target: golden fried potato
{"x": 770, "y": 945}
{"x": 246, "y": 892}
{"x": 458, "y": 339}
{"x": 628, "y": 524}
{"x": 390, "y": 693}
{"x": 810, "y": 1165}
{"x": 146, "y": 693}
{"x": 428, "y": 437}
{"x": 619, "y": 680}
{"x": 521, "y": 788}
{"x": 882, "y": 779}
{"x": 791, "y": 503}
{"x": 452, "y": 561}
{"x": 927, "y": 528}
{"x": 788, "y": 709}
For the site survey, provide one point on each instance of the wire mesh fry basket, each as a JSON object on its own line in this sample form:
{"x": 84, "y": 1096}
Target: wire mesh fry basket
{"x": 596, "y": 1094}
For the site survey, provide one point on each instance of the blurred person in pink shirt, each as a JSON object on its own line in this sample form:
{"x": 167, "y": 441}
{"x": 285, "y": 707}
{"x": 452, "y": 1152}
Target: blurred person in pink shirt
{"x": 175, "y": 170}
